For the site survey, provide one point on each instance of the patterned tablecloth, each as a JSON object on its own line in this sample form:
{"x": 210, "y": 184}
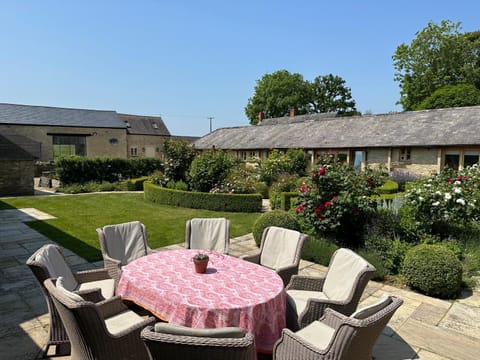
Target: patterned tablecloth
{"x": 233, "y": 292}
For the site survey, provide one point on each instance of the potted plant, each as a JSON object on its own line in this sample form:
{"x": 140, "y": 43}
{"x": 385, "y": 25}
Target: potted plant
{"x": 201, "y": 262}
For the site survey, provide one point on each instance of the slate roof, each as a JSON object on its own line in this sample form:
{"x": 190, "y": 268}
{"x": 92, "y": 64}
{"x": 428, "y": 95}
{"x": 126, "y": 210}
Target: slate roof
{"x": 12, "y": 151}
{"x": 440, "y": 127}
{"x": 144, "y": 125}
{"x": 31, "y": 146}
{"x": 53, "y": 116}
{"x": 298, "y": 118}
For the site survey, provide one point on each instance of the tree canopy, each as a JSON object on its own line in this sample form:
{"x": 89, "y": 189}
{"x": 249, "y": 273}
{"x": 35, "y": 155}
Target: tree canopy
{"x": 277, "y": 93}
{"x": 452, "y": 96}
{"x": 440, "y": 55}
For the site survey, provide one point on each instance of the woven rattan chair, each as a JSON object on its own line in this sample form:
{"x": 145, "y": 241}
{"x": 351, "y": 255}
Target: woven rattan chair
{"x": 280, "y": 250}
{"x": 340, "y": 289}
{"x": 166, "y": 341}
{"x": 208, "y": 234}
{"x": 97, "y": 331}
{"x": 336, "y": 336}
{"x": 96, "y": 285}
{"x": 121, "y": 244}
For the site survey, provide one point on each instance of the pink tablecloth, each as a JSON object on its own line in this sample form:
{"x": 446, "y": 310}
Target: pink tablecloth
{"x": 232, "y": 292}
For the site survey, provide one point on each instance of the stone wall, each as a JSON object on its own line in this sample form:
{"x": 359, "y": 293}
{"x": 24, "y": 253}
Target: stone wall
{"x": 16, "y": 177}
{"x": 146, "y": 145}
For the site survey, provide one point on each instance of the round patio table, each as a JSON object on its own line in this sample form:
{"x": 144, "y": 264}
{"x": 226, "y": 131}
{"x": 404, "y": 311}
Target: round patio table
{"x": 232, "y": 292}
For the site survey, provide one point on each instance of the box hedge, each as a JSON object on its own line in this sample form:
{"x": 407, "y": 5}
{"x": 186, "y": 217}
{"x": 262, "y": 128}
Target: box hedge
{"x": 201, "y": 200}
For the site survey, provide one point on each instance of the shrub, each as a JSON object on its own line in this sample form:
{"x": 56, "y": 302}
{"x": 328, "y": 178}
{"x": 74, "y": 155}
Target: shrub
{"x": 377, "y": 261}
{"x": 262, "y": 188}
{"x": 180, "y": 155}
{"x": 241, "y": 179}
{"x": 434, "y": 270}
{"x": 285, "y": 183}
{"x": 319, "y": 251}
{"x": 177, "y": 185}
{"x": 200, "y": 200}
{"x": 287, "y": 200}
{"x": 402, "y": 178}
{"x": 294, "y": 161}
{"x": 388, "y": 187}
{"x": 136, "y": 184}
{"x": 209, "y": 169}
{"x": 278, "y": 218}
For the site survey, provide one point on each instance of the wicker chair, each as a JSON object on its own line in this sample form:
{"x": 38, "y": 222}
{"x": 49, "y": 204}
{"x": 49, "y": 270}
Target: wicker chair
{"x": 167, "y": 341}
{"x": 105, "y": 330}
{"x": 208, "y": 234}
{"x": 95, "y": 285}
{"x": 121, "y": 244}
{"x": 336, "y": 336}
{"x": 280, "y": 250}
{"x": 340, "y": 289}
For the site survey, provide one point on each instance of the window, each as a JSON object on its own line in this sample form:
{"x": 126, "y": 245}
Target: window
{"x": 253, "y": 154}
{"x": 404, "y": 154}
{"x": 470, "y": 158}
{"x": 68, "y": 145}
{"x": 243, "y": 155}
{"x": 133, "y": 151}
{"x": 452, "y": 159}
{"x": 342, "y": 158}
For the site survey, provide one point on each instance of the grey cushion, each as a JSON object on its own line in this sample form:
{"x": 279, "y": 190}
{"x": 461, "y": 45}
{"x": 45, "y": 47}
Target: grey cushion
{"x": 342, "y": 274}
{"x": 71, "y": 295}
{"x": 225, "y": 332}
{"x": 279, "y": 247}
{"x": 372, "y": 309}
{"x": 298, "y": 298}
{"x": 125, "y": 242}
{"x": 209, "y": 234}
{"x": 317, "y": 333}
{"x": 119, "y": 322}
{"x": 106, "y": 286}
{"x": 52, "y": 259}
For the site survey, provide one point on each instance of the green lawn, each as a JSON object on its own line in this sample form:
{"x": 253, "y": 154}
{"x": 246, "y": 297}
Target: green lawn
{"x": 77, "y": 217}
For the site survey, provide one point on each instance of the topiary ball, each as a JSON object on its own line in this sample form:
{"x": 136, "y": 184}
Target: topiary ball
{"x": 434, "y": 270}
{"x": 278, "y": 218}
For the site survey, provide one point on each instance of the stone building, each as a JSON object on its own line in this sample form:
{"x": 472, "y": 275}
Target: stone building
{"x": 420, "y": 142}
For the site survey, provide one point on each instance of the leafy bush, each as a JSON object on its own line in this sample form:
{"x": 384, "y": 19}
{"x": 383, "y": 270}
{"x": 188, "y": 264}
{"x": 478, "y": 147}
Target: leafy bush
{"x": 298, "y": 161}
{"x": 200, "y": 200}
{"x": 434, "y": 270}
{"x": 294, "y": 161}
{"x": 262, "y": 188}
{"x": 449, "y": 197}
{"x": 178, "y": 185}
{"x": 388, "y": 187}
{"x": 136, "y": 184}
{"x": 377, "y": 262}
{"x": 91, "y": 187}
{"x": 278, "y": 218}
{"x": 402, "y": 178}
{"x": 209, "y": 169}
{"x": 285, "y": 183}
{"x": 242, "y": 179}
{"x": 336, "y": 201}
{"x": 180, "y": 155}
{"x": 319, "y": 251}
{"x": 287, "y": 200}
{"x": 159, "y": 178}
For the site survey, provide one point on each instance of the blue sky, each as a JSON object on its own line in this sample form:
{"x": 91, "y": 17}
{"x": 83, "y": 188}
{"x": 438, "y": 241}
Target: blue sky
{"x": 190, "y": 60}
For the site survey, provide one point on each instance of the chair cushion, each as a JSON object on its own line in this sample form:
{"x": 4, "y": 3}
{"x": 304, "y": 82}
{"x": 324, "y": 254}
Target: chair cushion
{"x": 209, "y": 234}
{"x": 71, "y": 295}
{"x": 342, "y": 274}
{"x": 279, "y": 248}
{"x": 125, "y": 242}
{"x": 372, "y": 309}
{"x": 225, "y": 332}
{"x": 297, "y": 299}
{"x": 106, "y": 286}
{"x": 317, "y": 334}
{"x": 53, "y": 260}
{"x": 121, "y": 321}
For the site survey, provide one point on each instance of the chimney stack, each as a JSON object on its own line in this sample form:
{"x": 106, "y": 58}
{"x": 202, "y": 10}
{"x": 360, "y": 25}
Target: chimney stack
{"x": 292, "y": 112}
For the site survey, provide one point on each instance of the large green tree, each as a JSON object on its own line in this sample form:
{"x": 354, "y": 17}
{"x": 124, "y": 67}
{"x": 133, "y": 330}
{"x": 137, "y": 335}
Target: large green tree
{"x": 451, "y": 96}
{"x": 277, "y": 93}
{"x": 330, "y": 94}
{"x": 440, "y": 55}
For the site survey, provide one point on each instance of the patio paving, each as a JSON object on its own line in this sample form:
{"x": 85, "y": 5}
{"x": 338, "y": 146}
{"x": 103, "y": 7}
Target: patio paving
{"x": 422, "y": 328}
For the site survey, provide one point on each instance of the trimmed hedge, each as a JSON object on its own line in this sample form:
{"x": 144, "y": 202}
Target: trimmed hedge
{"x": 278, "y": 218}
{"x": 136, "y": 184}
{"x": 389, "y": 187}
{"x": 200, "y": 200}
{"x": 434, "y": 270}
{"x": 287, "y": 199}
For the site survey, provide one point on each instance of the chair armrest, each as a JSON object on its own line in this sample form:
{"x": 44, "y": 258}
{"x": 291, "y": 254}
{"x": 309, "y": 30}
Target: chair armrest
{"x": 91, "y": 275}
{"x": 136, "y": 329}
{"x": 316, "y": 308}
{"x": 110, "y": 307}
{"x": 113, "y": 267}
{"x": 310, "y": 283}
{"x": 287, "y": 272}
{"x": 292, "y": 346}
{"x": 254, "y": 258}
{"x": 93, "y": 295}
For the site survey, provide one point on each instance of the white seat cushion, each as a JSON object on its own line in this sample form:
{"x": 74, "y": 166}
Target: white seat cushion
{"x": 125, "y": 242}
{"x": 342, "y": 274}
{"x": 317, "y": 334}
{"x": 71, "y": 295}
{"x": 279, "y": 248}
{"x": 50, "y": 257}
{"x": 209, "y": 234}
{"x": 121, "y": 321}
{"x": 298, "y": 298}
{"x": 107, "y": 287}
{"x": 372, "y": 309}
{"x": 225, "y": 332}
